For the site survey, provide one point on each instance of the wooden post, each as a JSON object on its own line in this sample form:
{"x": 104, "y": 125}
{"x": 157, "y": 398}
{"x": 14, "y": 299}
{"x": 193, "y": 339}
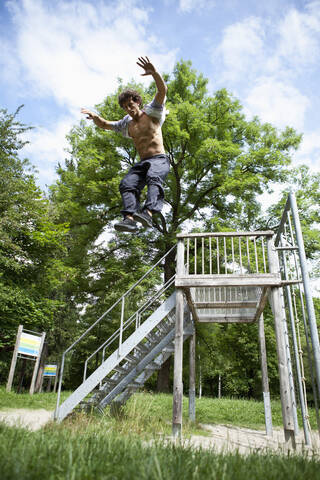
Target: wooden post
{"x": 36, "y": 366}
{"x": 56, "y": 379}
{"x": 265, "y": 380}
{"x": 200, "y": 377}
{"x": 48, "y": 389}
{"x": 192, "y": 378}
{"x": 178, "y": 350}
{"x": 276, "y": 305}
{"x": 219, "y": 385}
{"x": 14, "y": 359}
{"x": 39, "y": 380}
{"x": 177, "y": 377}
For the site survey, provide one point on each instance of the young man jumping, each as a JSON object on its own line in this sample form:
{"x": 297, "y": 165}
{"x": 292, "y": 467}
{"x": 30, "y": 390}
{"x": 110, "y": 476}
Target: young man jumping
{"x": 143, "y": 125}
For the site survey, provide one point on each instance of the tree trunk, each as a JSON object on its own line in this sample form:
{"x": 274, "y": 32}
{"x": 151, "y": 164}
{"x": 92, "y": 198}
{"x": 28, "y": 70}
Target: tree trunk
{"x": 163, "y": 381}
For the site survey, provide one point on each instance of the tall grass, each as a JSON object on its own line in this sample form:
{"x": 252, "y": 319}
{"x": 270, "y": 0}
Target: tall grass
{"x": 60, "y": 452}
{"x": 25, "y": 400}
{"x": 91, "y": 447}
{"x": 147, "y": 412}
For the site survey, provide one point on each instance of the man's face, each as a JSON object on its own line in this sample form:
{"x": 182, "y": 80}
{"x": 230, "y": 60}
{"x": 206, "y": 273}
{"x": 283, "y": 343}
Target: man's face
{"x": 131, "y": 107}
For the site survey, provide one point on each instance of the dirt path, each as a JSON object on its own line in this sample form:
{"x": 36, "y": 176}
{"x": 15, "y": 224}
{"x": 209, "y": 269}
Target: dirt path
{"x": 23, "y": 417}
{"x": 221, "y": 438}
{"x": 225, "y": 438}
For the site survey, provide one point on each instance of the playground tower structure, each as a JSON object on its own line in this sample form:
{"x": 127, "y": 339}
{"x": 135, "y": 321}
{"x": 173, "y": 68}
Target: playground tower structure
{"x": 224, "y": 277}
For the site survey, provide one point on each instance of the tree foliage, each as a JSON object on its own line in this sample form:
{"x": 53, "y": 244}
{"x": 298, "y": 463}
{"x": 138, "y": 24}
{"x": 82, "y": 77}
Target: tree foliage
{"x": 32, "y": 245}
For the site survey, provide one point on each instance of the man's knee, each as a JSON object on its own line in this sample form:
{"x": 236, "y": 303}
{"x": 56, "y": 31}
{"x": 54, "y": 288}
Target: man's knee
{"x": 126, "y": 185}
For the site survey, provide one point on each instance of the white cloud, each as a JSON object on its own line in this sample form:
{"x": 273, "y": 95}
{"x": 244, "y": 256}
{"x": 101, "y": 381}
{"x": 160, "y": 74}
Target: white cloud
{"x": 278, "y": 103}
{"x": 241, "y": 47}
{"x": 309, "y": 151}
{"x": 187, "y": 6}
{"x": 299, "y": 34}
{"x": 47, "y": 148}
{"x": 75, "y": 51}
{"x": 277, "y": 46}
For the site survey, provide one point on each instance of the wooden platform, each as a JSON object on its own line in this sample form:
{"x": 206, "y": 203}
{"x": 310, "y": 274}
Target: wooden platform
{"x": 227, "y": 298}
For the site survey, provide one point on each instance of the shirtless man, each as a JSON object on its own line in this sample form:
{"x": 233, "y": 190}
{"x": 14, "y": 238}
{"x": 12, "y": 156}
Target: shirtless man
{"x": 143, "y": 125}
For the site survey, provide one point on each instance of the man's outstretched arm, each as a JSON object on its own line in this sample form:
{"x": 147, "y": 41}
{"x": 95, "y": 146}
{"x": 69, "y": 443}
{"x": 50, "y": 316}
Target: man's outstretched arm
{"x": 149, "y": 69}
{"x": 99, "y": 121}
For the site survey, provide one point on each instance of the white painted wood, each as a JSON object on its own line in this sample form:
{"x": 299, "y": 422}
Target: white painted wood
{"x": 36, "y": 365}
{"x": 286, "y": 404}
{"x": 228, "y": 280}
{"x": 14, "y": 359}
{"x": 266, "y": 233}
{"x": 178, "y": 358}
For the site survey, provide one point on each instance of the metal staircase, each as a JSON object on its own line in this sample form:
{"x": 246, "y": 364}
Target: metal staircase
{"x": 141, "y": 344}
{"x": 136, "y": 370}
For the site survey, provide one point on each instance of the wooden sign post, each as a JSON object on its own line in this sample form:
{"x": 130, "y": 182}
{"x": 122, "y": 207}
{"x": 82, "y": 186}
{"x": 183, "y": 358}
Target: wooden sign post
{"x": 28, "y": 346}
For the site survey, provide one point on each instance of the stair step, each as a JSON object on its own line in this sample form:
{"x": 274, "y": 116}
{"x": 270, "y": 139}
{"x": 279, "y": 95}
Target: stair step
{"x": 153, "y": 337}
{"x": 121, "y": 370}
{"x": 162, "y": 327}
{"x": 131, "y": 359}
{"x": 153, "y": 366}
{"x": 169, "y": 349}
{"x": 110, "y": 381}
{"x": 142, "y": 348}
{"x": 134, "y": 385}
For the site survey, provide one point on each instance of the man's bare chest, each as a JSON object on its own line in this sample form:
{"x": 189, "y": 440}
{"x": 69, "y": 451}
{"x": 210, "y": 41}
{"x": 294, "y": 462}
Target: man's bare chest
{"x": 145, "y": 126}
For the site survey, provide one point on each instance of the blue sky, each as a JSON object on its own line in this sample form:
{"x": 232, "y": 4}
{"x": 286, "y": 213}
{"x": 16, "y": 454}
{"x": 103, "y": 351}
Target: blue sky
{"x": 57, "y": 56}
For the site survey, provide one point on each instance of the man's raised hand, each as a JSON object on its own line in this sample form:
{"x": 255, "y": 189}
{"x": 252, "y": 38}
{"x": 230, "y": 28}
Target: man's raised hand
{"x": 90, "y": 115}
{"x": 146, "y": 65}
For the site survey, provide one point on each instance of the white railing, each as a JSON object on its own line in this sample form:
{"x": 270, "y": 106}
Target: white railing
{"x": 225, "y": 253}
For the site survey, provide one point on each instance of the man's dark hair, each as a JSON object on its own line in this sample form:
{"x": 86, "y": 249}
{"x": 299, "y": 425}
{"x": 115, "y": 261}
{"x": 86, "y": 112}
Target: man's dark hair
{"x": 127, "y": 94}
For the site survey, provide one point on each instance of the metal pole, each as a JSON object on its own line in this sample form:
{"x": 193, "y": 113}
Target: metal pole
{"x": 296, "y": 353}
{"x": 307, "y": 288}
{"x": 121, "y": 325}
{"x": 56, "y": 413}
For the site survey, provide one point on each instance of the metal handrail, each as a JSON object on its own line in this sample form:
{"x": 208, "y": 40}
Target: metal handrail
{"x": 128, "y": 322}
{"x": 121, "y": 299}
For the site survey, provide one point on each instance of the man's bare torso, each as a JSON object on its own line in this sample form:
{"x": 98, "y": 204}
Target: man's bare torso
{"x": 147, "y": 136}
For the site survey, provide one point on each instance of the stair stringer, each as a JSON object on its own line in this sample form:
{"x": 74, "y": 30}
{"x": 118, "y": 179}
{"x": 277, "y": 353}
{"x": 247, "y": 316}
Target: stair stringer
{"x": 115, "y": 358}
{"x": 140, "y": 373}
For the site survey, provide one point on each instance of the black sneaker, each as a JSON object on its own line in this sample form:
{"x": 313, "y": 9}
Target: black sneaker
{"x": 126, "y": 225}
{"x": 144, "y": 218}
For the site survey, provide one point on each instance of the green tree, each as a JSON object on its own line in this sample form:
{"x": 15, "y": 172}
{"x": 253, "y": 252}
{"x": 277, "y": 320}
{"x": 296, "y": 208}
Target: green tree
{"x": 32, "y": 245}
{"x": 220, "y": 162}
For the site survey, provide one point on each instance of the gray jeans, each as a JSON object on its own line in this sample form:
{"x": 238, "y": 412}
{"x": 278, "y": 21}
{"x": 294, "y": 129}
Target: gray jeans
{"x": 151, "y": 172}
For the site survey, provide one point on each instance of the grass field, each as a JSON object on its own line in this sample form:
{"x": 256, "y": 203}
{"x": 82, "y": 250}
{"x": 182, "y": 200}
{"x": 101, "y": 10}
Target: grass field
{"x": 95, "y": 447}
